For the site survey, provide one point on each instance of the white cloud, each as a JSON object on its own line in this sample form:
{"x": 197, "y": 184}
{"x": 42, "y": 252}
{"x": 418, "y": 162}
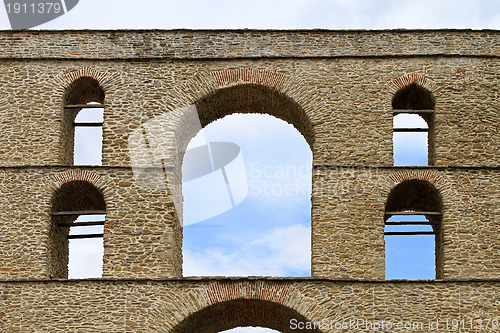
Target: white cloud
{"x": 433, "y": 14}
{"x": 85, "y": 259}
{"x": 277, "y": 157}
{"x": 277, "y": 14}
{"x": 278, "y": 252}
{"x": 291, "y": 246}
{"x": 85, "y": 255}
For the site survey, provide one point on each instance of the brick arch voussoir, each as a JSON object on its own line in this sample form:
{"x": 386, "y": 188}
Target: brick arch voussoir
{"x": 207, "y": 82}
{"x": 102, "y": 183}
{"x": 439, "y": 181}
{"x": 404, "y": 80}
{"x": 270, "y": 78}
{"x": 106, "y": 80}
{"x": 293, "y": 87}
{"x": 220, "y": 292}
{"x": 271, "y": 291}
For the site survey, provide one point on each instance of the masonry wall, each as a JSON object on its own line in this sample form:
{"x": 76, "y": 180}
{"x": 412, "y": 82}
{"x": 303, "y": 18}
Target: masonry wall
{"x": 209, "y": 44}
{"x": 334, "y": 87}
{"x": 348, "y": 208}
{"x": 351, "y": 116}
{"x": 166, "y": 306}
{"x": 141, "y": 238}
{"x": 351, "y": 121}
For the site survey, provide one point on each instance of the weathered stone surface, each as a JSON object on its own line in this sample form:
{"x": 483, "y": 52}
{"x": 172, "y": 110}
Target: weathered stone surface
{"x": 206, "y": 305}
{"x": 335, "y": 87}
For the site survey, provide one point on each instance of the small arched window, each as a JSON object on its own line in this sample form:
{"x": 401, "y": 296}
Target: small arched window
{"x": 229, "y": 179}
{"x": 413, "y": 131}
{"x": 76, "y": 234}
{"x": 83, "y": 120}
{"x": 413, "y": 232}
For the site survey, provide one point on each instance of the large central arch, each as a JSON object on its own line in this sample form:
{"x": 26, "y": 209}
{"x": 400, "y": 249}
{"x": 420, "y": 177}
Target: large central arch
{"x": 244, "y": 312}
{"x": 254, "y": 98}
{"x": 249, "y": 98}
{"x": 157, "y": 147}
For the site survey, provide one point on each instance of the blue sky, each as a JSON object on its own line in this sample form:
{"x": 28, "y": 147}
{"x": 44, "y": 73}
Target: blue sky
{"x": 268, "y": 233}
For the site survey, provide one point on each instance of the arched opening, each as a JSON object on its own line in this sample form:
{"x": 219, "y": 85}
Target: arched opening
{"x": 158, "y": 147}
{"x": 413, "y": 231}
{"x": 243, "y": 313}
{"x": 76, "y": 231}
{"x": 254, "y": 98}
{"x": 413, "y": 130}
{"x": 413, "y": 97}
{"x": 251, "y": 215}
{"x": 254, "y": 217}
{"x": 82, "y": 123}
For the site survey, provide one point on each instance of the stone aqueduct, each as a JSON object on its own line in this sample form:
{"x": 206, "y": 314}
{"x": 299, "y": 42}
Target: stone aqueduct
{"x": 335, "y": 87}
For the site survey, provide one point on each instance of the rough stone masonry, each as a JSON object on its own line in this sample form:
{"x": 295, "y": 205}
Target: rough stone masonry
{"x": 337, "y": 89}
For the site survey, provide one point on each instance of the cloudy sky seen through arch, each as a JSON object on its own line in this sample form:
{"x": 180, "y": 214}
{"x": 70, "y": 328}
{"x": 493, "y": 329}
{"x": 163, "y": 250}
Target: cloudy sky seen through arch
{"x": 266, "y": 14}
